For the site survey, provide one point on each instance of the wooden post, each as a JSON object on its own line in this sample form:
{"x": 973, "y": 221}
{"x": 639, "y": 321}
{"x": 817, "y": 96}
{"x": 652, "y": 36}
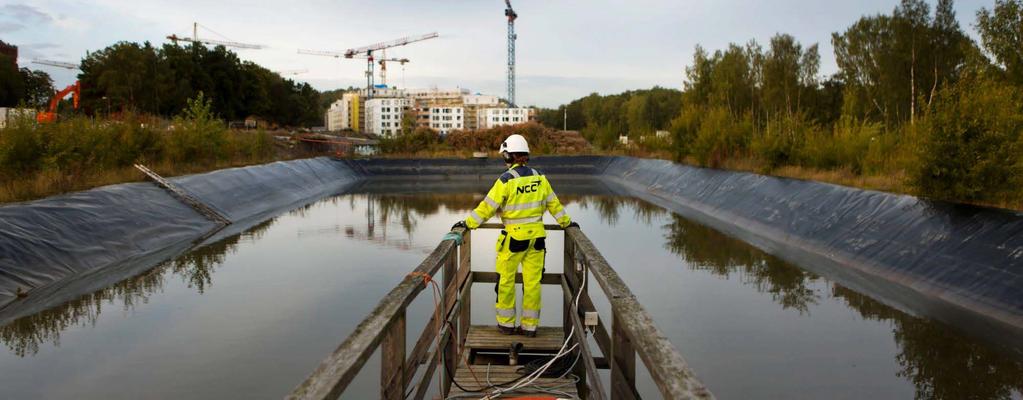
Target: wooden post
{"x": 449, "y": 351}
{"x": 392, "y": 359}
{"x": 465, "y": 264}
{"x": 568, "y": 272}
{"x": 623, "y": 362}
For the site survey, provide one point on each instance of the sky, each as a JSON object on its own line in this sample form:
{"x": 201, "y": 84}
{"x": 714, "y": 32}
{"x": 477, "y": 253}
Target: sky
{"x": 566, "y": 49}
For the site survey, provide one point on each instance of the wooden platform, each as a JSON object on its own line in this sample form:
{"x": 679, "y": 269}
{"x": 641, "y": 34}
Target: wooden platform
{"x": 548, "y": 339}
{"x": 487, "y": 338}
{"x": 503, "y": 373}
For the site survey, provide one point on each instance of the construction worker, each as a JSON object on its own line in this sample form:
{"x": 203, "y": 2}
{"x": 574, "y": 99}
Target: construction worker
{"x": 521, "y": 195}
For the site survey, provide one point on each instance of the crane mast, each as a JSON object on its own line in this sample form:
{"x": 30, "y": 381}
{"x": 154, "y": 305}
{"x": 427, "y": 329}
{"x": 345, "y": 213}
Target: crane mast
{"x": 510, "y": 13}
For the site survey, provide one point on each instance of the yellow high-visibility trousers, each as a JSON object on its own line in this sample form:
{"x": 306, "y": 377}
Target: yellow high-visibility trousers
{"x": 511, "y": 253}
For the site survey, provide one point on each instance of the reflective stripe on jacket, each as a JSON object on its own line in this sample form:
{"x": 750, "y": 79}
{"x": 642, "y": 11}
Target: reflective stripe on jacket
{"x": 521, "y": 196}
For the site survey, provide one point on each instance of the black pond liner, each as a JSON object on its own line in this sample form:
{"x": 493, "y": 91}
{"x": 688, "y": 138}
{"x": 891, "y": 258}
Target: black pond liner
{"x": 959, "y": 264}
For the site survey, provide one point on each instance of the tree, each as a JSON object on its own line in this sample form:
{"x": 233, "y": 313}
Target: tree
{"x": 890, "y": 62}
{"x": 160, "y": 81}
{"x": 11, "y": 86}
{"x": 1001, "y": 32}
{"x": 972, "y": 142}
{"x": 38, "y": 88}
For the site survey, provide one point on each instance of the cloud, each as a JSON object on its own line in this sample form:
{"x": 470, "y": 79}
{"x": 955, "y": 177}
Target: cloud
{"x": 8, "y": 27}
{"x": 41, "y": 46}
{"x": 26, "y": 13}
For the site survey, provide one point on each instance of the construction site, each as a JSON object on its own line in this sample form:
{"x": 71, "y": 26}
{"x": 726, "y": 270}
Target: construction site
{"x": 529, "y": 262}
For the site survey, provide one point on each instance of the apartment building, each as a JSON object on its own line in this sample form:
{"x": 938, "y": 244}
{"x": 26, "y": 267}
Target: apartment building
{"x": 383, "y": 115}
{"x": 494, "y": 117}
{"x": 447, "y": 119}
{"x": 345, "y": 114}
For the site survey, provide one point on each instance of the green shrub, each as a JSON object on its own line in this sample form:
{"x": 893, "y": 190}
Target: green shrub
{"x": 21, "y": 148}
{"x": 846, "y": 146}
{"x": 971, "y": 144}
{"x": 197, "y": 135}
{"x": 782, "y": 140}
{"x": 720, "y": 136}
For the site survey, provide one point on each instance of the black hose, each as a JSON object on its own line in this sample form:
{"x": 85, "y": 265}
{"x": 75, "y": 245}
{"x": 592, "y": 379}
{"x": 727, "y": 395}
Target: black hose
{"x": 558, "y": 368}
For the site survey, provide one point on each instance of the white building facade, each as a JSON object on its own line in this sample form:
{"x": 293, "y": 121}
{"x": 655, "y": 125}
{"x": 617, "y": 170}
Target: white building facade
{"x": 494, "y": 117}
{"x": 337, "y": 116}
{"x": 447, "y": 119}
{"x": 383, "y": 115}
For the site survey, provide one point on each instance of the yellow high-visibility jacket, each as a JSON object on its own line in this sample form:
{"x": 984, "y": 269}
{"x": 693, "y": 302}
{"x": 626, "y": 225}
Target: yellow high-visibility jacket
{"x": 521, "y": 196}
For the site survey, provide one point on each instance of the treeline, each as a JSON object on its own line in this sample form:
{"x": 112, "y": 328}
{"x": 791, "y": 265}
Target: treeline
{"x": 603, "y": 118}
{"x": 142, "y": 78}
{"x": 914, "y": 98}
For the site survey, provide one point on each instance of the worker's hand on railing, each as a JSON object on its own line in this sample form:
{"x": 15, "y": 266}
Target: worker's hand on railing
{"x": 459, "y": 224}
{"x": 573, "y": 225}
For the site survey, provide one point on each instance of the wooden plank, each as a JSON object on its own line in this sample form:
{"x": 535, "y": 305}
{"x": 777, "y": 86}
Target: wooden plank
{"x": 503, "y": 373}
{"x": 335, "y": 372}
{"x": 668, "y": 369}
{"x": 452, "y": 288}
{"x": 392, "y": 361}
{"x": 418, "y": 354}
{"x": 183, "y": 196}
{"x": 600, "y": 334}
{"x": 548, "y": 338}
{"x": 594, "y": 385}
{"x": 465, "y": 276}
{"x": 424, "y": 381}
{"x": 491, "y": 277}
{"x": 623, "y": 363}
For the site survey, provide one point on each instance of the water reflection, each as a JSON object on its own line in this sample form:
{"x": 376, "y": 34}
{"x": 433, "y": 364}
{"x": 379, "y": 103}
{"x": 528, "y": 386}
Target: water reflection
{"x": 940, "y": 362}
{"x": 23, "y": 336}
{"x": 705, "y": 249}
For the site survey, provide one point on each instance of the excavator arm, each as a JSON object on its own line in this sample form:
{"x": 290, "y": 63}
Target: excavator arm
{"x": 50, "y": 115}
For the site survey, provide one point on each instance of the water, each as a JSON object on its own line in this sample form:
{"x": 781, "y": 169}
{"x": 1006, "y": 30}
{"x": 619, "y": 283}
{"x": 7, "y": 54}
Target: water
{"x": 250, "y": 316}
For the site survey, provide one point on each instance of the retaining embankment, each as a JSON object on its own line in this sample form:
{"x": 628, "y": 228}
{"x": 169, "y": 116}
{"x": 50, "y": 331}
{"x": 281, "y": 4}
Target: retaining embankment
{"x": 64, "y": 246}
{"x": 957, "y": 263}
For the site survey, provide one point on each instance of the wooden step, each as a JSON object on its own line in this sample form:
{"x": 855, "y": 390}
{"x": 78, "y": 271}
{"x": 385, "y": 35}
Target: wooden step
{"x": 504, "y": 373}
{"x": 480, "y": 337}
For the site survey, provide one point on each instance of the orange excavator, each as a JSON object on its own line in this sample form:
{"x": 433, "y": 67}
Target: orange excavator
{"x": 50, "y": 115}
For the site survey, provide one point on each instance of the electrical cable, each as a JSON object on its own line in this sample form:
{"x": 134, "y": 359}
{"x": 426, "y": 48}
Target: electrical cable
{"x": 562, "y": 352}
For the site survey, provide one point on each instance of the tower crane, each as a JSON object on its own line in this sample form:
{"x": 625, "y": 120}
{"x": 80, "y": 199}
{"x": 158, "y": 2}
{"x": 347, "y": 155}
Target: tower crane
{"x": 368, "y": 52}
{"x": 195, "y": 39}
{"x": 382, "y": 61}
{"x": 52, "y": 63}
{"x": 383, "y": 67}
{"x": 512, "y": 16}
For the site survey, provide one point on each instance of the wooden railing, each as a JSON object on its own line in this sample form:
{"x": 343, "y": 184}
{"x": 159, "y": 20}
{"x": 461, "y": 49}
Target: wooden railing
{"x": 632, "y": 331}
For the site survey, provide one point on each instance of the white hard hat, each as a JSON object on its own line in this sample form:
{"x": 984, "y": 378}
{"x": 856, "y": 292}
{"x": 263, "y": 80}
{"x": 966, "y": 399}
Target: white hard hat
{"x": 515, "y": 144}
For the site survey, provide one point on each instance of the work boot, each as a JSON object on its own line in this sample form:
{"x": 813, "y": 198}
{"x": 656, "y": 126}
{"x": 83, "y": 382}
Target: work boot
{"x": 506, "y": 330}
{"x": 528, "y": 333}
